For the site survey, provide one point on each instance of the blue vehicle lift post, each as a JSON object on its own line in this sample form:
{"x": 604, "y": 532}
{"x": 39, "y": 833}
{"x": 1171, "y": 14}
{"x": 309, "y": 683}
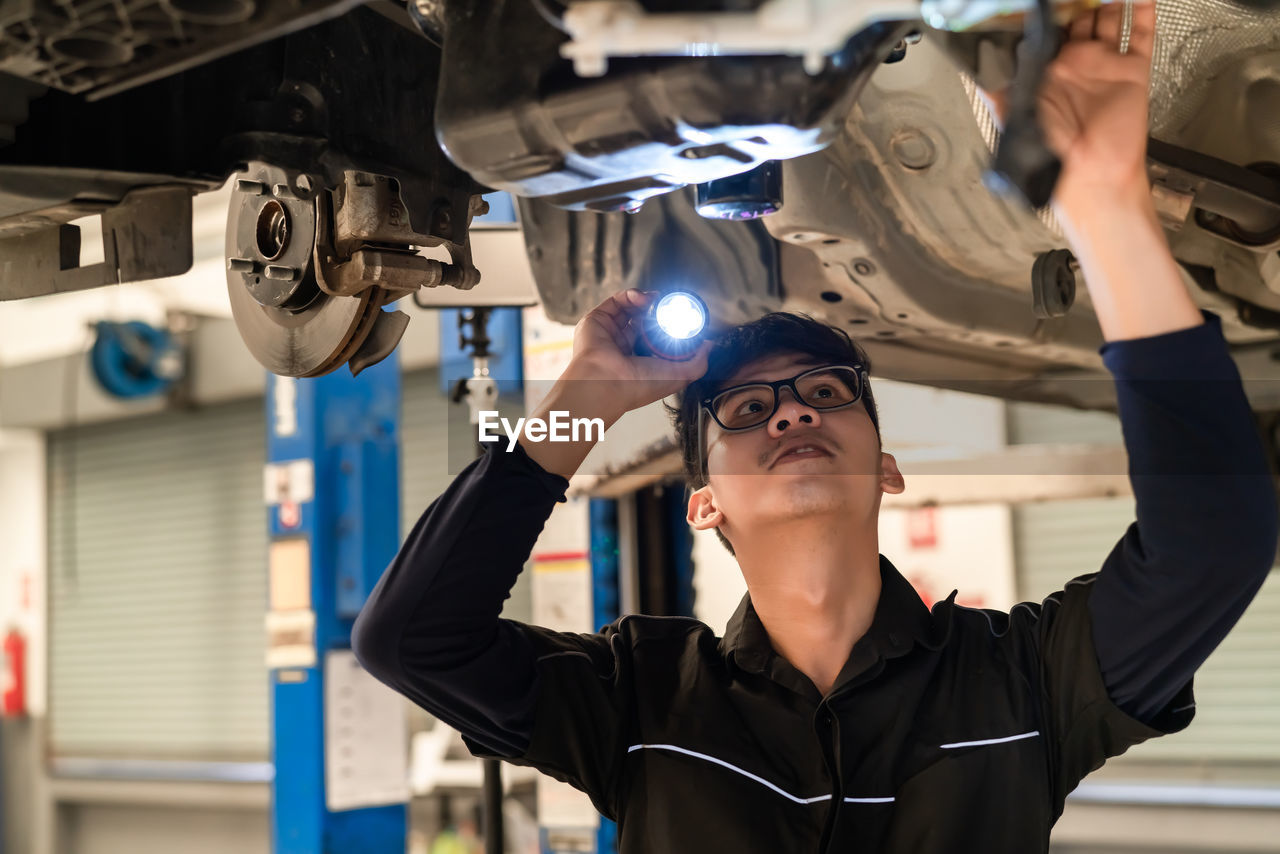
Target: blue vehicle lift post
{"x": 332, "y": 486}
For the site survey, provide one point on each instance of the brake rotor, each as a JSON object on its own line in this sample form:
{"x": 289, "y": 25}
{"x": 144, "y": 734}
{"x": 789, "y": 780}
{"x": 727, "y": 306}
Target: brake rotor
{"x": 290, "y": 325}
{"x": 309, "y": 343}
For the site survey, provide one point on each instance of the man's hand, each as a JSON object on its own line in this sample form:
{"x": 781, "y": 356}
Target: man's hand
{"x": 604, "y": 350}
{"x": 1093, "y": 108}
{"x": 606, "y": 380}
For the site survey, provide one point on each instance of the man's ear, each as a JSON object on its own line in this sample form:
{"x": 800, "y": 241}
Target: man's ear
{"x": 891, "y": 480}
{"x": 703, "y": 512}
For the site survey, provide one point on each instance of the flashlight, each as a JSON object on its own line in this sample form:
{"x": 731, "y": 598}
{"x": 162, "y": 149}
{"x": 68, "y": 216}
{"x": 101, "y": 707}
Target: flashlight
{"x": 672, "y": 326}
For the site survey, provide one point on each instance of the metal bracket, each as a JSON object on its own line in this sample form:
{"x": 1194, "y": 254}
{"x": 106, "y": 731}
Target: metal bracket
{"x": 146, "y": 236}
{"x": 1238, "y": 204}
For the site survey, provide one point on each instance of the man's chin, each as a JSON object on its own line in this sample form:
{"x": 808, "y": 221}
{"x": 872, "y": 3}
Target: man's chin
{"x": 806, "y": 496}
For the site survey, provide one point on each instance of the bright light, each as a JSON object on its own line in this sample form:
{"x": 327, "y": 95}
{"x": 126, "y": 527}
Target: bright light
{"x": 681, "y": 315}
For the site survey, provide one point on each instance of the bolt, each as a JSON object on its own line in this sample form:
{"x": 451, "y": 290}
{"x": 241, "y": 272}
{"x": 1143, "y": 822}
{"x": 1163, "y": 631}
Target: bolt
{"x": 241, "y": 265}
{"x": 281, "y": 272}
{"x": 914, "y": 149}
{"x": 863, "y": 268}
{"x": 442, "y": 222}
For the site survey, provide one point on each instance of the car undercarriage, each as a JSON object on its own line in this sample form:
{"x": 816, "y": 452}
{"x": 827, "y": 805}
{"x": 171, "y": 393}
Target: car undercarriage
{"x": 818, "y": 159}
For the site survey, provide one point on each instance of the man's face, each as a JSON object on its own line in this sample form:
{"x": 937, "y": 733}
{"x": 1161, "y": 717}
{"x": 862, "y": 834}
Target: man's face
{"x": 755, "y": 476}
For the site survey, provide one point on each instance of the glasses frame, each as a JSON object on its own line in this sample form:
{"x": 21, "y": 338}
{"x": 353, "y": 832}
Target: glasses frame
{"x": 704, "y": 406}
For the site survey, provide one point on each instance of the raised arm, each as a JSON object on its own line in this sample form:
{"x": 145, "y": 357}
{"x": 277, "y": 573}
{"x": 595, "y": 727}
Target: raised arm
{"x": 431, "y": 628}
{"x": 1205, "y": 537}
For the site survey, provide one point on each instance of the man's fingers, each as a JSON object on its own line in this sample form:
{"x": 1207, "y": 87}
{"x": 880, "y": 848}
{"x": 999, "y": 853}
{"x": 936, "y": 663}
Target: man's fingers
{"x": 608, "y": 325}
{"x": 699, "y": 361}
{"x": 687, "y": 370}
{"x": 1142, "y": 32}
{"x": 630, "y": 333}
{"x": 621, "y": 307}
{"x": 612, "y": 313}
{"x": 1106, "y": 24}
{"x": 624, "y": 303}
{"x": 617, "y": 314}
{"x": 1081, "y": 29}
{"x": 1110, "y": 20}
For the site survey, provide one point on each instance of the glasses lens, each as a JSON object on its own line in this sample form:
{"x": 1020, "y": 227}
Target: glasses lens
{"x": 829, "y": 387}
{"x": 744, "y": 407}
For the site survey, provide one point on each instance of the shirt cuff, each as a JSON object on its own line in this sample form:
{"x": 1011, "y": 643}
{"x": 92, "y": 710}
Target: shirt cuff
{"x": 1198, "y": 353}
{"x": 518, "y": 458}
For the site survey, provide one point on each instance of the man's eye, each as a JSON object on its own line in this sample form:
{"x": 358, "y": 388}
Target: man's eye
{"x": 750, "y": 406}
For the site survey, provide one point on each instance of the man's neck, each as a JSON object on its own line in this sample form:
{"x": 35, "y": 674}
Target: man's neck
{"x": 815, "y": 593}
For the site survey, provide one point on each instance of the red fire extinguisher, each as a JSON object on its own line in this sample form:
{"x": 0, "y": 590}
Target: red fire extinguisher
{"x": 13, "y": 691}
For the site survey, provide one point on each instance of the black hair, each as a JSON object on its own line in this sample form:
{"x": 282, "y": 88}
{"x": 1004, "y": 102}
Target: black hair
{"x": 775, "y": 333}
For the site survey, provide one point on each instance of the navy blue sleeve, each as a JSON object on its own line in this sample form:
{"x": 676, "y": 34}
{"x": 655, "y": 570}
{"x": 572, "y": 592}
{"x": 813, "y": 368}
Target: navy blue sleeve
{"x": 431, "y": 628}
{"x": 1205, "y": 536}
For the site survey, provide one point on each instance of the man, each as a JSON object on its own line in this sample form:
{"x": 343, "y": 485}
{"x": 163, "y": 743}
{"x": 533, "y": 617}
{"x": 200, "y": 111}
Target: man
{"x": 838, "y": 713}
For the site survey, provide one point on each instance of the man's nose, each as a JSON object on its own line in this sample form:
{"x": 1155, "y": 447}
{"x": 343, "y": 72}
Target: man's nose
{"x": 791, "y": 412}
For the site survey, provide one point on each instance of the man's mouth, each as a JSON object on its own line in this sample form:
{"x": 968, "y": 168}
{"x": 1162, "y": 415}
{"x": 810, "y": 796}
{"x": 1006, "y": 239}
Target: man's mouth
{"x": 801, "y": 452}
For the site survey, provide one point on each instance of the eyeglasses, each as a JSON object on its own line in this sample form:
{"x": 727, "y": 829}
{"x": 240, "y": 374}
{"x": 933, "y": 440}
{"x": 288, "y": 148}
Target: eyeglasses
{"x": 746, "y": 407}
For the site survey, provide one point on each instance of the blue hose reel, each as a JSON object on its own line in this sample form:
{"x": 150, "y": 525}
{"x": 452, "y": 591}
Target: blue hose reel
{"x": 134, "y": 359}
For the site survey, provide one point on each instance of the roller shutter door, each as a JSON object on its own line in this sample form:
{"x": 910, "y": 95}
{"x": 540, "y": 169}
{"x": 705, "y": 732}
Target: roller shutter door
{"x": 157, "y": 548}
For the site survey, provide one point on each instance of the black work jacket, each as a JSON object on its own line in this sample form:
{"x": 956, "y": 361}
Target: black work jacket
{"x": 956, "y": 730}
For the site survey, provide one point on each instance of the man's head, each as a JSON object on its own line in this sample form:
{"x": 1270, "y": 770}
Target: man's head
{"x": 739, "y": 477}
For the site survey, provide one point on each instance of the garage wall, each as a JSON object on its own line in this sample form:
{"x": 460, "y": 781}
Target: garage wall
{"x": 1034, "y": 423}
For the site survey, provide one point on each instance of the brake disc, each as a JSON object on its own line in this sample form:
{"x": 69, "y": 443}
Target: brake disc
{"x": 289, "y": 324}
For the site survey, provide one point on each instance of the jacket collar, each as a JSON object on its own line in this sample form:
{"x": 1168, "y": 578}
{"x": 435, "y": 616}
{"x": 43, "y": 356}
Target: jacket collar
{"x": 901, "y": 620}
